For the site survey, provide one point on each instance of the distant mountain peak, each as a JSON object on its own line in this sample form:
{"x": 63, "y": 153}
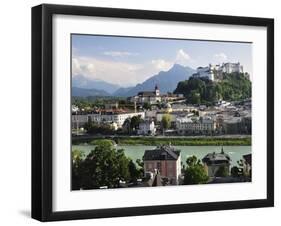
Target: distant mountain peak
{"x": 176, "y": 65}
{"x": 166, "y": 81}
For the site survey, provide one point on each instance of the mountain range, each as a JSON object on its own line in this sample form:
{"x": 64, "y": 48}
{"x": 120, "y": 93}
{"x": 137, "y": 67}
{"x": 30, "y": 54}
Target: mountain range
{"x": 166, "y": 80}
{"x": 81, "y": 81}
{"x": 81, "y": 92}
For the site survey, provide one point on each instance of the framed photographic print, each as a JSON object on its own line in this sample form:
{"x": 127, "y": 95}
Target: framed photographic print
{"x": 145, "y": 112}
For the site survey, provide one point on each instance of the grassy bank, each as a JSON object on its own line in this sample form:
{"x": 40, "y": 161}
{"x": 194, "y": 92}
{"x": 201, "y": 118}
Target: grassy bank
{"x": 180, "y": 141}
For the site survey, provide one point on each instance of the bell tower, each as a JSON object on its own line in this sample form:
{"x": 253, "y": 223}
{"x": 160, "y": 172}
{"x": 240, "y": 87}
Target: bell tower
{"x": 157, "y": 91}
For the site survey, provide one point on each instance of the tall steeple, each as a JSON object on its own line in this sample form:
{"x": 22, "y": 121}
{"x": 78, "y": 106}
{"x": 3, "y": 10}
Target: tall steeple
{"x": 157, "y": 91}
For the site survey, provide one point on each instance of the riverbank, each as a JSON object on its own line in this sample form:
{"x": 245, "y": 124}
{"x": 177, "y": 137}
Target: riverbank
{"x": 176, "y": 141}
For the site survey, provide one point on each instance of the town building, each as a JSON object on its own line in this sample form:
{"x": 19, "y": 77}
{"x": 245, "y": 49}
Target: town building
{"x": 150, "y": 97}
{"x": 78, "y": 120}
{"x": 213, "y": 162}
{"x": 237, "y": 125}
{"x": 166, "y": 161}
{"x": 195, "y": 126}
{"x": 116, "y": 119}
{"x": 154, "y": 97}
{"x": 146, "y": 127}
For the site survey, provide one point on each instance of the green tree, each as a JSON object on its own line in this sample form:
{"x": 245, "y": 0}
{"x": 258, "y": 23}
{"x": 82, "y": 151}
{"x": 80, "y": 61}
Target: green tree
{"x": 94, "y": 128}
{"x": 77, "y": 159}
{"x": 146, "y": 106}
{"x": 140, "y": 165}
{"x": 194, "y": 172}
{"x": 123, "y": 163}
{"x": 135, "y": 172}
{"x": 127, "y": 126}
{"x": 166, "y": 121}
{"x": 135, "y": 121}
{"x": 103, "y": 166}
{"x": 195, "y": 97}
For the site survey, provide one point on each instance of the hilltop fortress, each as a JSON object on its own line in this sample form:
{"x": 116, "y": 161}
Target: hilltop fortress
{"x": 215, "y": 72}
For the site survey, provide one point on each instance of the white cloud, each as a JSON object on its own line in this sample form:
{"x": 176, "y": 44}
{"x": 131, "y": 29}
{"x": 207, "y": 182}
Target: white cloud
{"x": 121, "y": 73}
{"x": 119, "y": 53}
{"x": 161, "y": 64}
{"x": 220, "y": 58}
{"x": 182, "y": 58}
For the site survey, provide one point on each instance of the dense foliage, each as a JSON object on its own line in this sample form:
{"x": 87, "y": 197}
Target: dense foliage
{"x": 232, "y": 87}
{"x": 94, "y": 128}
{"x": 103, "y": 166}
{"x": 194, "y": 172}
{"x": 166, "y": 121}
{"x": 131, "y": 124}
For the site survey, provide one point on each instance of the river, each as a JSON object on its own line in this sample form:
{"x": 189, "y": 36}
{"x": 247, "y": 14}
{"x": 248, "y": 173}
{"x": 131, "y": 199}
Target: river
{"x": 136, "y": 151}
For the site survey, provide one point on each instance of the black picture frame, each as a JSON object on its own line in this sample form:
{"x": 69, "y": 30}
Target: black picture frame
{"x": 42, "y": 111}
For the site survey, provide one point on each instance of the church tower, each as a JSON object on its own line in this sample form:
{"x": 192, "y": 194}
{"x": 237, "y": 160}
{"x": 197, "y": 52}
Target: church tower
{"x": 157, "y": 91}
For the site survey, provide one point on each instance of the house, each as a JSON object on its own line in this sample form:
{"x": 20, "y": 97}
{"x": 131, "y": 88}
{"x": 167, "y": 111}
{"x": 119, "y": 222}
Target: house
{"x": 213, "y": 162}
{"x": 166, "y": 161}
{"x": 147, "y": 128}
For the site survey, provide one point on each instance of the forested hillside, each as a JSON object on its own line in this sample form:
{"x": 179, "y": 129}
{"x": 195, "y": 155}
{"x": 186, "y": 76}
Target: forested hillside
{"x": 234, "y": 86}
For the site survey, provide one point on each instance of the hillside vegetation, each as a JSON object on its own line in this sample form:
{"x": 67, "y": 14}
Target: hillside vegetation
{"x": 232, "y": 87}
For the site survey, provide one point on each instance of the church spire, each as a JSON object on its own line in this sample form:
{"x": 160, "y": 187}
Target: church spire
{"x": 157, "y": 91}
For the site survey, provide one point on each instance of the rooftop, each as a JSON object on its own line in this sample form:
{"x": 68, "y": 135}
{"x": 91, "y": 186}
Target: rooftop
{"x": 215, "y": 158}
{"x": 163, "y": 152}
{"x": 147, "y": 94}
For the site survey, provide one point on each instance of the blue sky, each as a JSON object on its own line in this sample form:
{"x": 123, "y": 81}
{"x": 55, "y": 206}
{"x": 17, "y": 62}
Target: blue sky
{"x": 127, "y": 61}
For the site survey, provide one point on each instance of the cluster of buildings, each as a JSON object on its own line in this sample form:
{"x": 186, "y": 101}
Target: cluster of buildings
{"x": 223, "y": 118}
{"x": 215, "y": 72}
{"x": 114, "y": 118}
{"x": 154, "y": 97}
{"x": 226, "y": 119}
{"x": 162, "y": 166}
